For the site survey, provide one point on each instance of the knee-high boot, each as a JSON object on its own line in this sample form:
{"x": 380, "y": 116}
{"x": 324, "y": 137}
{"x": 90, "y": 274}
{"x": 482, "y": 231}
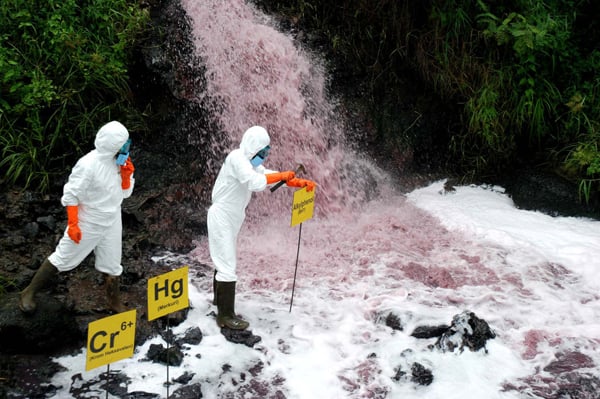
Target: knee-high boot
{"x": 215, "y": 288}
{"x": 226, "y": 307}
{"x": 113, "y": 294}
{"x": 27, "y": 296}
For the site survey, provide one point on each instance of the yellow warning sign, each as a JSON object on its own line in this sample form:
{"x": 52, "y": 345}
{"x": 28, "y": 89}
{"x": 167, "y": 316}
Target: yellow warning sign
{"x": 168, "y": 293}
{"x": 110, "y": 339}
{"x": 303, "y": 206}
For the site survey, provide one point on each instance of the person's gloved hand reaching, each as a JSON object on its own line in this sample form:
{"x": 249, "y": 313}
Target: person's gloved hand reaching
{"x": 73, "y": 231}
{"x": 297, "y": 182}
{"x": 280, "y": 176}
{"x": 126, "y": 172}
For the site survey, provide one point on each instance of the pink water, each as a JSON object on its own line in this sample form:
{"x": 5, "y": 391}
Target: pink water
{"x": 382, "y": 254}
{"x": 257, "y": 76}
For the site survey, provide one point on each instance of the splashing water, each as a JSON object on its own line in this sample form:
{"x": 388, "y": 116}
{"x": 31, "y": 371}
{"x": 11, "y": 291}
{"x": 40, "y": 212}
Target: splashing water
{"x": 258, "y": 77}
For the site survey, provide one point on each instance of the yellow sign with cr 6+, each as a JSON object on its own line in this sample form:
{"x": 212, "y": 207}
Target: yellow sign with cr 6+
{"x": 168, "y": 293}
{"x": 303, "y": 206}
{"x": 110, "y": 339}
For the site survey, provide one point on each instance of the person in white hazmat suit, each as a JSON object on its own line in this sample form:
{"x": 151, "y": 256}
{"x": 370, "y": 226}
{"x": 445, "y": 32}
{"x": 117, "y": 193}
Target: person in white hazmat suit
{"x": 241, "y": 174}
{"x": 92, "y": 196}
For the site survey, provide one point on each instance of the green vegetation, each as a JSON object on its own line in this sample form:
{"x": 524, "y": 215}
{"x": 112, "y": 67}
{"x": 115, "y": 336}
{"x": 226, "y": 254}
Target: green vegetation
{"x": 524, "y": 73}
{"x": 63, "y": 71}
{"x": 521, "y": 73}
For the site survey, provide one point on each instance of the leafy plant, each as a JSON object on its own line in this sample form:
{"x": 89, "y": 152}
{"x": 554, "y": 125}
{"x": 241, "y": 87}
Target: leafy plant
{"x": 63, "y": 73}
{"x": 583, "y": 158}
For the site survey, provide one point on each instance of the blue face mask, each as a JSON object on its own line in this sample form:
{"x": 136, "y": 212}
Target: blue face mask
{"x": 256, "y": 161}
{"x": 123, "y": 153}
{"x": 260, "y": 156}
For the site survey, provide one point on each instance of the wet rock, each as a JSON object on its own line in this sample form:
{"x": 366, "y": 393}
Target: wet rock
{"x": 171, "y": 320}
{"x": 172, "y": 356}
{"x": 142, "y": 395}
{"x": 547, "y": 192}
{"x": 193, "y": 391}
{"x": 49, "y": 222}
{"x": 184, "y": 378}
{"x": 51, "y": 326}
{"x": 31, "y": 230}
{"x": 113, "y": 382}
{"x": 420, "y": 374}
{"x": 429, "y": 331}
{"x": 394, "y": 322}
{"x": 173, "y": 182}
{"x": 192, "y": 336}
{"x": 13, "y": 242}
{"x": 466, "y": 330}
{"x": 241, "y": 337}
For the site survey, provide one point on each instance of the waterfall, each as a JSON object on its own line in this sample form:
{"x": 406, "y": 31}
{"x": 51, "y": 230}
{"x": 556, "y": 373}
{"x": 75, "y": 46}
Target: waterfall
{"x": 257, "y": 75}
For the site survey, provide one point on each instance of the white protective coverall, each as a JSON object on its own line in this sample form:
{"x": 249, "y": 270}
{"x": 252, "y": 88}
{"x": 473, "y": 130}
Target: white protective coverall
{"x": 231, "y": 194}
{"x": 94, "y": 186}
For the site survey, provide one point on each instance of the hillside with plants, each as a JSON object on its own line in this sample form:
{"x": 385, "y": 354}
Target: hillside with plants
{"x": 518, "y": 78}
{"x": 521, "y": 75}
{"x": 64, "y": 72}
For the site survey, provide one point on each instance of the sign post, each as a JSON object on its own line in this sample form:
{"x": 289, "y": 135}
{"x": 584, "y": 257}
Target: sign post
{"x": 168, "y": 293}
{"x": 302, "y": 209}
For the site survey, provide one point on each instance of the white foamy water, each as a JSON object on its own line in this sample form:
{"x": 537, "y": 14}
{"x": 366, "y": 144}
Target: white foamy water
{"x": 424, "y": 257}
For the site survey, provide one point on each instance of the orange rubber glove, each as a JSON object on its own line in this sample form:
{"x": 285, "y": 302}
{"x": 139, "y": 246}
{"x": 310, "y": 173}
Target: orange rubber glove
{"x": 126, "y": 172}
{"x": 73, "y": 229}
{"x": 296, "y": 182}
{"x": 279, "y": 176}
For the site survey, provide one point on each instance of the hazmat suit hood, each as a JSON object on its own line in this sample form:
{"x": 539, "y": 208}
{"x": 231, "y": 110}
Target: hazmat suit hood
{"x": 110, "y": 138}
{"x": 254, "y": 139}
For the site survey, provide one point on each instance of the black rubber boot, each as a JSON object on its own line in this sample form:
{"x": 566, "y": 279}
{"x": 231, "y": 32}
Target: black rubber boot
{"x": 27, "y": 296}
{"x": 215, "y": 288}
{"x": 113, "y": 294}
{"x": 226, "y": 307}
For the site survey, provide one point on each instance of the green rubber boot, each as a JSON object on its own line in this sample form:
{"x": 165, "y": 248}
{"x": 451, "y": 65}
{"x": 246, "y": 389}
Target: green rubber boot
{"x": 27, "y": 296}
{"x": 226, "y": 307}
{"x": 113, "y": 294}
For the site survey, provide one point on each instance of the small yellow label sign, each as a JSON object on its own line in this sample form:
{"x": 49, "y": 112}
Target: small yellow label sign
{"x": 168, "y": 293}
{"x": 303, "y": 206}
{"x": 110, "y": 339}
